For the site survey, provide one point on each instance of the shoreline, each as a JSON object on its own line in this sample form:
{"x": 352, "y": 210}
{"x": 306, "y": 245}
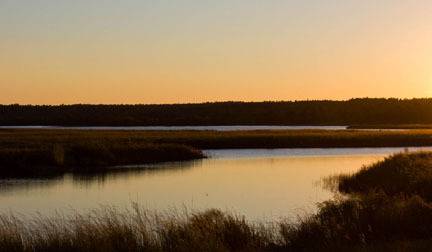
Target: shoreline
{"x": 30, "y": 152}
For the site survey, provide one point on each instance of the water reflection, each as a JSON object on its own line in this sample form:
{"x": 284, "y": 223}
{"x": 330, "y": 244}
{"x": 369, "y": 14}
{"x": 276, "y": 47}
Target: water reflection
{"x": 127, "y": 172}
{"x": 14, "y": 185}
{"x": 100, "y": 178}
{"x": 295, "y": 152}
{"x": 262, "y": 184}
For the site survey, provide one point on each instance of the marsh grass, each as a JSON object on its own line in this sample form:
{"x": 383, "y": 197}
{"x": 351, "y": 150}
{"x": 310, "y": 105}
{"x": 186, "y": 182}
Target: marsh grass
{"x": 400, "y": 174}
{"x": 359, "y": 225}
{"x": 219, "y": 139}
{"x": 28, "y": 153}
{"x": 108, "y": 229}
{"x": 53, "y": 159}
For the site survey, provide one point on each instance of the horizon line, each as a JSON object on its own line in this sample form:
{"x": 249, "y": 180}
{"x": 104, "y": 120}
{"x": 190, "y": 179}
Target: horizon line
{"x": 222, "y": 101}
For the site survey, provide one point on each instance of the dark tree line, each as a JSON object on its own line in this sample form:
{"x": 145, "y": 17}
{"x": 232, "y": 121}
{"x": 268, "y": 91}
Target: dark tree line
{"x": 354, "y": 111}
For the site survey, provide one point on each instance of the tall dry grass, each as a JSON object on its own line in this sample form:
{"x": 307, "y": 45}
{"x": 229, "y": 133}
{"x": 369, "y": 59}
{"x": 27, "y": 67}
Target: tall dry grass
{"x": 375, "y": 222}
{"x": 219, "y": 139}
{"x": 108, "y": 229}
{"x": 400, "y": 174}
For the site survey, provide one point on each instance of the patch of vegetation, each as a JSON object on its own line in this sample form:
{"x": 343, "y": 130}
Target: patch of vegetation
{"x": 54, "y": 159}
{"x": 365, "y": 223}
{"x": 400, "y": 174}
{"x": 54, "y": 152}
{"x": 376, "y": 222}
{"x": 108, "y": 229}
{"x": 221, "y": 139}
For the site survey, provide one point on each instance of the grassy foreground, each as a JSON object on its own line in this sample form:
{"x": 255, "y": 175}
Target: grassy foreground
{"x": 376, "y": 219}
{"x": 376, "y": 223}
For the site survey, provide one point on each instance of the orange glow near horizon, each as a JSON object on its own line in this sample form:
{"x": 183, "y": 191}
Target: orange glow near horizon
{"x": 196, "y": 51}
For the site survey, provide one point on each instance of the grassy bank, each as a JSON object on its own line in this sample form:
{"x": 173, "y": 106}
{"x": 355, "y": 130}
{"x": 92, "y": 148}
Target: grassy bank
{"x": 219, "y": 139}
{"x": 53, "y": 152}
{"x": 400, "y": 174}
{"x": 55, "y": 158}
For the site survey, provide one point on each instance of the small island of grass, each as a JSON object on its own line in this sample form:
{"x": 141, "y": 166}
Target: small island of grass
{"x": 50, "y": 159}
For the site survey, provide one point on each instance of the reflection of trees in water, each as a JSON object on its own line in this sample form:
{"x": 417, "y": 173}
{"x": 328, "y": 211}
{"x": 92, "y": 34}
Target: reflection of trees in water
{"x": 126, "y": 172}
{"x": 88, "y": 179}
{"x": 14, "y": 185}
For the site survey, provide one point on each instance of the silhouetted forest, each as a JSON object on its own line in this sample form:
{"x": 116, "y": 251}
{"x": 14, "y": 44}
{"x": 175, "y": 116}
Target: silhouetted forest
{"x": 350, "y": 112}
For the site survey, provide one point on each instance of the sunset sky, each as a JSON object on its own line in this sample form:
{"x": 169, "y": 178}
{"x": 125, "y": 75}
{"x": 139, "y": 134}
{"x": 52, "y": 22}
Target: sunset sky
{"x": 171, "y": 51}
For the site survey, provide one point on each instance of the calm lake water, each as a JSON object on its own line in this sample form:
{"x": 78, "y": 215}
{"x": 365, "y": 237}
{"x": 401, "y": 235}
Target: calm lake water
{"x": 168, "y": 128}
{"x": 261, "y": 184}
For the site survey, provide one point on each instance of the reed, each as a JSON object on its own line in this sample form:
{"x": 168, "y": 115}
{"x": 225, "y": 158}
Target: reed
{"x": 400, "y": 174}
{"x": 374, "y": 223}
{"x": 219, "y": 139}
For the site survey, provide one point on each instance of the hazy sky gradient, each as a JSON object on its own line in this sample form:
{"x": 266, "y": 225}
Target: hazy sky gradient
{"x": 168, "y": 51}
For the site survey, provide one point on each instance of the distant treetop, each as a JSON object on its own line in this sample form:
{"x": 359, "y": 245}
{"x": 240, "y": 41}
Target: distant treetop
{"x": 316, "y": 112}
